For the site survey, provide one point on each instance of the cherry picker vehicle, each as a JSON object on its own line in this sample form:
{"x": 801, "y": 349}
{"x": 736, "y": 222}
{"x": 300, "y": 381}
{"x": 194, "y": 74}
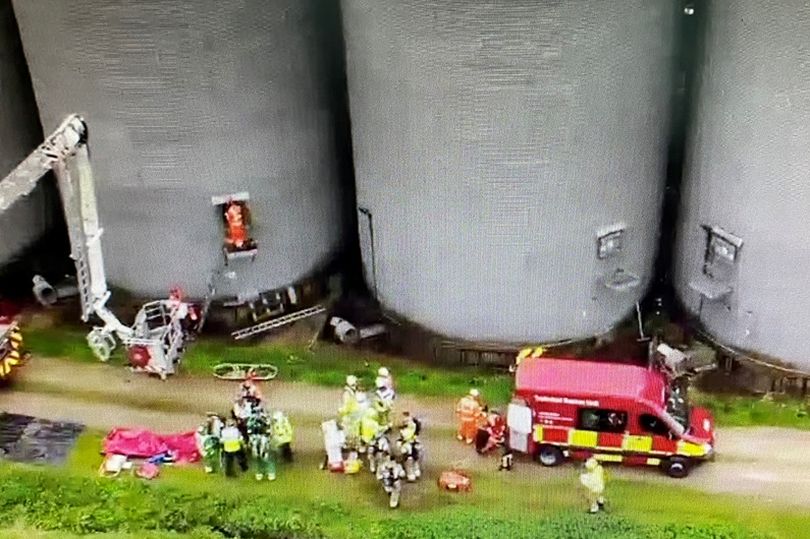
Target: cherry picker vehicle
{"x": 156, "y": 340}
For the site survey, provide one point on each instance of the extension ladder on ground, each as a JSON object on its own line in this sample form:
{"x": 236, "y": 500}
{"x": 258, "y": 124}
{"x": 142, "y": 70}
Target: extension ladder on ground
{"x": 277, "y": 322}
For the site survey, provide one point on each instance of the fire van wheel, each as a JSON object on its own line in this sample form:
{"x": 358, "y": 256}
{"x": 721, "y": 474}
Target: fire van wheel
{"x": 548, "y": 455}
{"x": 677, "y": 467}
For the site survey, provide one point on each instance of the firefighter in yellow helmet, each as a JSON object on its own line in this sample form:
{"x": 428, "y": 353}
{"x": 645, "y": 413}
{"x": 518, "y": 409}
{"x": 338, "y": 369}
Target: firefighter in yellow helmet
{"x": 593, "y": 479}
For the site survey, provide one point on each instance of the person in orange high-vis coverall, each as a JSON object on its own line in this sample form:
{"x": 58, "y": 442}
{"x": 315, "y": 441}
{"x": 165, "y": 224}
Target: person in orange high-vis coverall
{"x": 237, "y": 227}
{"x": 470, "y": 413}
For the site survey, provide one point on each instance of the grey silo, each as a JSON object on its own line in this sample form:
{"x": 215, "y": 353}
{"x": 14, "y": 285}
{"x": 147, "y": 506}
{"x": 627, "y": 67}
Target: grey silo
{"x": 189, "y": 100}
{"x": 494, "y": 142}
{"x": 748, "y": 174}
{"x": 27, "y": 220}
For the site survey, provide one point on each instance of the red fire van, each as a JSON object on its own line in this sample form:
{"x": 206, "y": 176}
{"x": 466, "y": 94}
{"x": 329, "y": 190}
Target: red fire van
{"x": 569, "y": 408}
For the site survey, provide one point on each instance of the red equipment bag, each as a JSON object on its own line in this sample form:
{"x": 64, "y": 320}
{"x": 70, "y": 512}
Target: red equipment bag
{"x": 455, "y": 480}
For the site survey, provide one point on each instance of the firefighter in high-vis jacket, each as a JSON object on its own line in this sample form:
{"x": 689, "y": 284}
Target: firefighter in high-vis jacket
{"x": 382, "y": 406}
{"x": 593, "y": 479}
{"x": 233, "y": 448}
{"x": 282, "y": 435}
{"x": 470, "y": 412}
{"x": 348, "y": 405}
{"x": 369, "y": 428}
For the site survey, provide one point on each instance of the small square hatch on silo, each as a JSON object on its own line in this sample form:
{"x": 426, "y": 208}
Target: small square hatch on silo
{"x": 722, "y": 252}
{"x": 234, "y": 213}
{"x": 610, "y": 241}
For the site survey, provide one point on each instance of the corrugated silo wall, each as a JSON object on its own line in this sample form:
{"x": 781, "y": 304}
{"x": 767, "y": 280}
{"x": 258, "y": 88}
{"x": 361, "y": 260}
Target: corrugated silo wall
{"x": 185, "y": 101}
{"x": 20, "y": 132}
{"x": 748, "y": 173}
{"x": 493, "y": 142}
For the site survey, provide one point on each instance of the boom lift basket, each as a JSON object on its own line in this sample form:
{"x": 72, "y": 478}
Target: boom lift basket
{"x": 158, "y": 330}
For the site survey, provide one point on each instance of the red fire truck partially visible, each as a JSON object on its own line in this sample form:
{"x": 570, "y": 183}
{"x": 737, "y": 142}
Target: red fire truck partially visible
{"x": 11, "y": 341}
{"x": 569, "y": 408}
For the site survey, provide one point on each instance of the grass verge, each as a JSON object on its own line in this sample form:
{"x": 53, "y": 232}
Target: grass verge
{"x": 739, "y": 411}
{"x": 530, "y": 503}
{"x": 65, "y": 501}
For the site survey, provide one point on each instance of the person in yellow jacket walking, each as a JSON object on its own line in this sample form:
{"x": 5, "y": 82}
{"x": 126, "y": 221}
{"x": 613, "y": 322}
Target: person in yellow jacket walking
{"x": 593, "y": 479}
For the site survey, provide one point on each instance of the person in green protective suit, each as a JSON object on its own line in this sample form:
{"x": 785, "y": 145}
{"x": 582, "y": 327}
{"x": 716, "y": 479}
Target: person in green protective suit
{"x": 282, "y": 435}
{"x": 264, "y": 456}
{"x": 209, "y": 444}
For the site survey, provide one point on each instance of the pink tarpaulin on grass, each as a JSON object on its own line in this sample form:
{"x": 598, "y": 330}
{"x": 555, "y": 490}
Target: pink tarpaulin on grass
{"x": 145, "y": 444}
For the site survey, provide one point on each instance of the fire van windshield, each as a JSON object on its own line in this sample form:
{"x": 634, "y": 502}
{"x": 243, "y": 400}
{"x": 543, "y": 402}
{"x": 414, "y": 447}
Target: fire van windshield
{"x": 678, "y": 406}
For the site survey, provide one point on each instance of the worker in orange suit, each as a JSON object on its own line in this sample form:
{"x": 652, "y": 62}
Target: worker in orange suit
{"x": 237, "y": 228}
{"x": 470, "y": 413}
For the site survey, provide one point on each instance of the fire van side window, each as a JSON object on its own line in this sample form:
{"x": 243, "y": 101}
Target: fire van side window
{"x": 652, "y": 424}
{"x": 602, "y": 420}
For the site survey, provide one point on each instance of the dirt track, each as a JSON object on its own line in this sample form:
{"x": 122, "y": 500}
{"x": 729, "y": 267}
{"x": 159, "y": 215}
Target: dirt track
{"x": 769, "y": 463}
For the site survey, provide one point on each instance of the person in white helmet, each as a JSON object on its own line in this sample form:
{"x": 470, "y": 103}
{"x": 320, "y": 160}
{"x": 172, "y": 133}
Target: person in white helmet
{"x": 384, "y": 394}
{"x": 384, "y": 380}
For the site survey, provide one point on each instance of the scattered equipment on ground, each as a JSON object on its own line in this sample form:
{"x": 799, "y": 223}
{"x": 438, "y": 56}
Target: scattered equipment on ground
{"x": 47, "y": 295}
{"x": 455, "y": 480}
{"x": 346, "y": 332}
{"x": 156, "y": 340}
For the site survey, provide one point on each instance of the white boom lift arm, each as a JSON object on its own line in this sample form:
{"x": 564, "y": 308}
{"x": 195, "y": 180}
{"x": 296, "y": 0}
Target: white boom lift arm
{"x": 157, "y": 334}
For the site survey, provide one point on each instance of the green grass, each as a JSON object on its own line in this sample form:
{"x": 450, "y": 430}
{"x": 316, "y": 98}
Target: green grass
{"x": 353, "y": 506}
{"x": 306, "y": 502}
{"x": 739, "y": 411}
{"x": 328, "y": 365}
{"x": 69, "y": 342}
